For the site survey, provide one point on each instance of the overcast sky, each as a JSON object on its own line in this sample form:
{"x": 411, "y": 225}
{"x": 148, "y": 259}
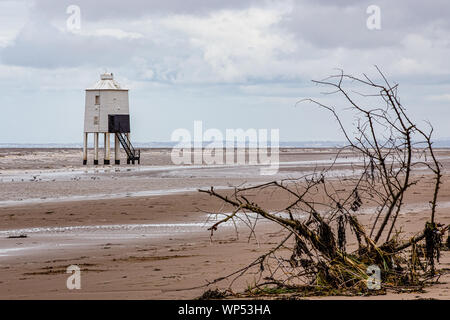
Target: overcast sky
{"x": 231, "y": 64}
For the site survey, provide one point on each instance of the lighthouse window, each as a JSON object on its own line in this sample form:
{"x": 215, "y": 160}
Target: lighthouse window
{"x": 97, "y": 99}
{"x": 95, "y": 120}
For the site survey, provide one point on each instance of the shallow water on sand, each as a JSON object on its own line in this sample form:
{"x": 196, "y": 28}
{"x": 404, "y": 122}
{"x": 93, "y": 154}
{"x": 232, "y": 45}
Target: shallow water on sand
{"x": 101, "y": 196}
{"x": 35, "y": 240}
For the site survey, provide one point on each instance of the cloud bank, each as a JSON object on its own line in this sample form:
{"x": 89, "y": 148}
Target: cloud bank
{"x": 208, "y": 60}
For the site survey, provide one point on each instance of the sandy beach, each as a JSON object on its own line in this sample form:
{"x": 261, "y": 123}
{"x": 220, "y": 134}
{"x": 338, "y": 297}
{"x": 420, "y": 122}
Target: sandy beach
{"x": 140, "y": 232}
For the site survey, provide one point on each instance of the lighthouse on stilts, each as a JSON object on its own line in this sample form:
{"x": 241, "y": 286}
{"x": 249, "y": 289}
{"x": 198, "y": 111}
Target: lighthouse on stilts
{"x": 107, "y": 112}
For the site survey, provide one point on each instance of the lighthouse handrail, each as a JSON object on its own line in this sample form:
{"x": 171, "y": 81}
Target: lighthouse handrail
{"x": 133, "y": 152}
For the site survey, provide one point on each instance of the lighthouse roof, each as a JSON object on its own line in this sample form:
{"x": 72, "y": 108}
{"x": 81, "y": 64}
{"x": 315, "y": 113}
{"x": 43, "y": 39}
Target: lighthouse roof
{"x": 106, "y": 82}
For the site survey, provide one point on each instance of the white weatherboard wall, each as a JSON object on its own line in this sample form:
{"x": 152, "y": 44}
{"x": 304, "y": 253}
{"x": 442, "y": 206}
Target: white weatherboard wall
{"x": 112, "y": 100}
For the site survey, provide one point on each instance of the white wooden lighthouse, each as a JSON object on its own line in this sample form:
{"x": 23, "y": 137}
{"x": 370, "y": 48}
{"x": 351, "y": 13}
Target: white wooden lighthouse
{"x": 107, "y": 111}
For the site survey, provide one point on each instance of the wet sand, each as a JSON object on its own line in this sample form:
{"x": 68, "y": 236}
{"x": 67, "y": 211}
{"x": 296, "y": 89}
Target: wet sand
{"x": 141, "y": 232}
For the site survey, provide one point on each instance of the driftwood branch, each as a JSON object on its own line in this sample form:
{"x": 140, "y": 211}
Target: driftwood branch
{"x": 315, "y": 254}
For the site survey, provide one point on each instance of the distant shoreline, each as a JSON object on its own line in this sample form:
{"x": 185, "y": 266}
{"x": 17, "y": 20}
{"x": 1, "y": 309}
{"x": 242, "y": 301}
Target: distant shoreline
{"x": 165, "y": 145}
{"x": 169, "y": 144}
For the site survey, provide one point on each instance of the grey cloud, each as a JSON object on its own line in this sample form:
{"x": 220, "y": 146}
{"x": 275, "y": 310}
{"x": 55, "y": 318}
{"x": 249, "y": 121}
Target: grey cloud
{"x": 326, "y": 25}
{"x": 43, "y": 46}
{"x": 331, "y": 24}
{"x": 118, "y": 9}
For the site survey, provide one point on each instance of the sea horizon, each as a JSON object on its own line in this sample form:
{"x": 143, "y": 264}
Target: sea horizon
{"x": 438, "y": 143}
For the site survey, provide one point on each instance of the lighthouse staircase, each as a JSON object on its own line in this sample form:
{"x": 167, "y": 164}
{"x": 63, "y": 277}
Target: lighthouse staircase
{"x": 132, "y": 153}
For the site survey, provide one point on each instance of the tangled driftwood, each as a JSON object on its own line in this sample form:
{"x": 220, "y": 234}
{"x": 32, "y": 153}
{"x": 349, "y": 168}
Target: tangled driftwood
{"x": 315, "y": 257}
